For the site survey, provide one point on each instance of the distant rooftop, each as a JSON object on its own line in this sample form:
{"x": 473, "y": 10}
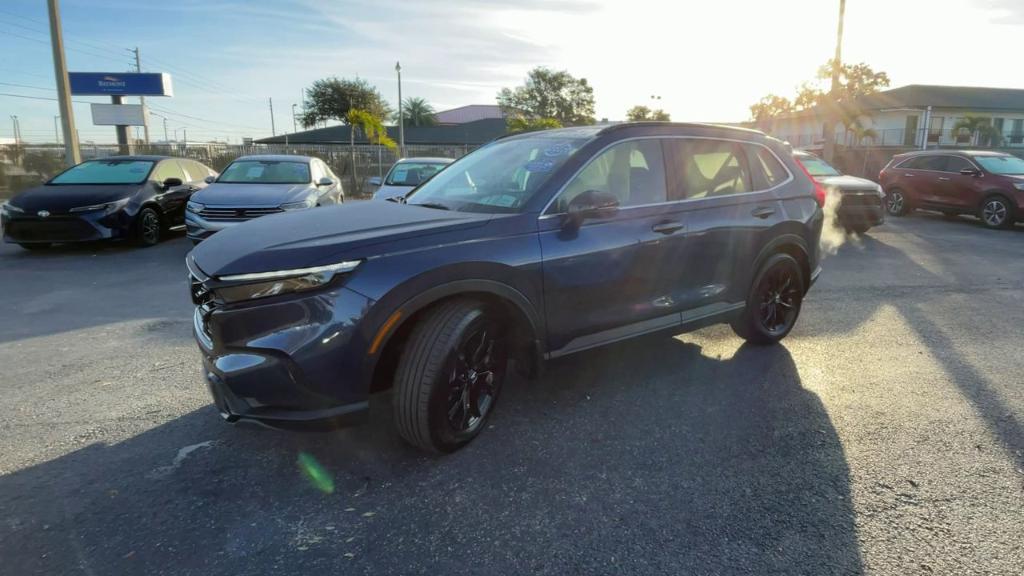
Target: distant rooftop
{"x": 470, "y": 113}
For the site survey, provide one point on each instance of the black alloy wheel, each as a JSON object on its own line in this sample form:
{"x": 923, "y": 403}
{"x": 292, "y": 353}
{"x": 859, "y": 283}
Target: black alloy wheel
{"x": 148, "y": 227}
{"x": 449, "y": 375}
{"x": 774, "y": 302}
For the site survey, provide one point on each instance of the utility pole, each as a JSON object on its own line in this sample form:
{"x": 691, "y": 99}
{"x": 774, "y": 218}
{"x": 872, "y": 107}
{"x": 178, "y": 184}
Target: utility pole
{"x": 60, "y": 70}
{"x": 401, "y": 113}
{"x": 831, "y": 108}
{"x": 165, "y": 128}
{"x": 295, "y": 127}
{"x": 14, "y": 127}
{"x": 273, "y": 131}
{"x": 56, "y": 129}
{"x": 142, "y": 99}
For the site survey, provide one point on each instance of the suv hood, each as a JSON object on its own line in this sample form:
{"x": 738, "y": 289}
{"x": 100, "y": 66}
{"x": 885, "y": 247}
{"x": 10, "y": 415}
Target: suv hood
{"x": 250, "y": 195}
{"x": 848, "y": 183}
{"x": 60, "y": 199}
{"x": 322, "y": 236}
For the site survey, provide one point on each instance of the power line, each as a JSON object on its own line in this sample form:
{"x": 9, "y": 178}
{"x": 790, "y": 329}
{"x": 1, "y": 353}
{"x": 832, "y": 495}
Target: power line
{"x": 26, "y": 86}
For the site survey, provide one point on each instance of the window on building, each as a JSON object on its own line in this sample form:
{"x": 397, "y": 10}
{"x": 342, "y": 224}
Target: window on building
{"x": 910, "y": 130}
{"x": 1017, "y": 134}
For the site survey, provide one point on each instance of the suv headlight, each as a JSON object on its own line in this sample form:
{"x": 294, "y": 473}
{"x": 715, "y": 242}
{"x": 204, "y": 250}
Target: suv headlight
{"x": 309, "y": 202}
{"x": 9, "y": 208}
{"x": 266, "y": 284}
{"x": 1019, "y": 185}
{"x": 194, "y": 207}
{"x": 108, "y": 207}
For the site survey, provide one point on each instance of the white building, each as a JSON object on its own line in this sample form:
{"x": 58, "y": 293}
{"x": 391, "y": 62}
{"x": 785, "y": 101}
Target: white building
{"x": 914, "y": 116}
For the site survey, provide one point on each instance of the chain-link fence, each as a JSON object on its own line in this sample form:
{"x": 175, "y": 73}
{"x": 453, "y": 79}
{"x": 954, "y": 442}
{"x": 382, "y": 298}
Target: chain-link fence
{"x": 899, "y": 137}
{"x": 23, "y": 166}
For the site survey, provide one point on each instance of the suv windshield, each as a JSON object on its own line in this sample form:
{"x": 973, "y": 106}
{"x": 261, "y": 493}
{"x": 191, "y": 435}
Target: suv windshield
{"x": 412, "y": 173}
{"x": 265, "y": 172}
{"x": 500, "y": 177}
{"x": 1001, "y": 164}
{"x": 106, "y": 172}
{"x": 816, "y": 166}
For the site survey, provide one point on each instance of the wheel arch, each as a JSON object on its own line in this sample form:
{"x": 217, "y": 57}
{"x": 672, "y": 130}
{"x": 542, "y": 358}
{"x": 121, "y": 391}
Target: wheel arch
{"x": 525, "y": 322}
{"x": 792, "y": 244}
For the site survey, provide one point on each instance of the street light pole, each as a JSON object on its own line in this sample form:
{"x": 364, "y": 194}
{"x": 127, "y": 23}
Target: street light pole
{"x": 142, "y": 99}
{"x": 273, "y": 131}
{"x": 831, "y": 108}
{"x": 56, "y": 130}
{"x": 295, "y": 127}
{"x": 71, "y": 154}
{"x": 401, "y": 113}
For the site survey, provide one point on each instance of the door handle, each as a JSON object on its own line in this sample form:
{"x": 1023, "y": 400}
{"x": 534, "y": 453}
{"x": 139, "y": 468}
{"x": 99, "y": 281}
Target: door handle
{"x": 667, "y": 227}
{"x": 762, "y": 212}
{"x": 943, "y": 178}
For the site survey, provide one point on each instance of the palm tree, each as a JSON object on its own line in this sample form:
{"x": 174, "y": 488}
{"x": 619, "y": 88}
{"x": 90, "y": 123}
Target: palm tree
{"x": 981, "y": 130}
{"x": 418, "y": 112}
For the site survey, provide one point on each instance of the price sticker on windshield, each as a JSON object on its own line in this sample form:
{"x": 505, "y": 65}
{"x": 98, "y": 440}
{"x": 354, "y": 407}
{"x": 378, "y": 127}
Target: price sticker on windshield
{"x": 539, "y": 165}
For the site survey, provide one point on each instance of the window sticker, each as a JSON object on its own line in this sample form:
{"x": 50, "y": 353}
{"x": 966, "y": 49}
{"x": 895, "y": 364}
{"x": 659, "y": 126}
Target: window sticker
{"x": 539, "y": 166}
{"x": 556, "y": 150}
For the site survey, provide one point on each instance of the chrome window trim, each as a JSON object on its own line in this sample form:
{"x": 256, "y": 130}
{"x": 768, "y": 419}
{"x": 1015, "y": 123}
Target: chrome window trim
{"x": 964, "y": 157}
{"x": 544, "y": 215}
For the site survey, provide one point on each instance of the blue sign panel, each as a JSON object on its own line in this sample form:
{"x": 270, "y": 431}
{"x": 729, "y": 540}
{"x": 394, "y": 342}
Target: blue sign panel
{"x": 120, "y": 84}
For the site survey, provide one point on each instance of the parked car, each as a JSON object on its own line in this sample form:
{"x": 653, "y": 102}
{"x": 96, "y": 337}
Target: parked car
{"x": 120, "y": 197}
{"x": 254, "y": 186}
{"x": 532, "y": 247}
{"x": 405, "y": 175}
{"x": 984, "y": 183}
{"x": 859, "y": 200}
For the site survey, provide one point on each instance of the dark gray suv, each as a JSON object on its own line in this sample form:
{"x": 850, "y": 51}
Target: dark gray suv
{"x": 533, "y": 247}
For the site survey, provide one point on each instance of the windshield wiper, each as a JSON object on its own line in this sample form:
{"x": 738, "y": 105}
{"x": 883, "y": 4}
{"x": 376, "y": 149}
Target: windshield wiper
{"x": 433, "y": 205}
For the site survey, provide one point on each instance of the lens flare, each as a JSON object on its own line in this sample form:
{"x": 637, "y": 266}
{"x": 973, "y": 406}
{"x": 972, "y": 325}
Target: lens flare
{"x": 315, "y": 473}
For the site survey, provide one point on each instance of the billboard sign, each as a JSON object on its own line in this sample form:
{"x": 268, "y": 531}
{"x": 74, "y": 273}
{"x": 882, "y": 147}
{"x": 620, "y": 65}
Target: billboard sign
{"x": 120, "y": 84}
{"x": 119, "y": 114}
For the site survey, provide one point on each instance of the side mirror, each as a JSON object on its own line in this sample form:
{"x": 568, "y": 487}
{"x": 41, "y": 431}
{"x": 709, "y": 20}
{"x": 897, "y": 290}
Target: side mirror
{"x": 210, "y": 179}
{"x": 592, "y": 204}
{"x": 171, "y": 183}
{"x": 325, "y": 181}
{"x": 374, "y": 181}
{"x": 970, "y": 172}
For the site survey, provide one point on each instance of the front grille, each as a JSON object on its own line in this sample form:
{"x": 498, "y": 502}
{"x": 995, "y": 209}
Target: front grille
{"x": 236, "y": 214}
{"x": 867, "y": 198}
{"x": 56, "y": 230}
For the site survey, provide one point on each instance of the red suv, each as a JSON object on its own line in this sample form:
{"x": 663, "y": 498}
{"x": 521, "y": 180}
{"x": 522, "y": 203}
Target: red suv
{"x": 987, "y": 184}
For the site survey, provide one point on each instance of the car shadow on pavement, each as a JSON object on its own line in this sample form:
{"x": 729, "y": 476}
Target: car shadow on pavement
{"x": 946, "y": 328}
{"x": 647, "y": 457}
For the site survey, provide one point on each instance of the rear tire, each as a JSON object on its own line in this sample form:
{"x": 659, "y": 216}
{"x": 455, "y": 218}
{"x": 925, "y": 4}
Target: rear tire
{"x": 449, "y": 376}
{"x": 148, "y": 228}
{"x": 773, "y": 304}
{"x": 996, "y": 212}
{"x": 896, "y": 203}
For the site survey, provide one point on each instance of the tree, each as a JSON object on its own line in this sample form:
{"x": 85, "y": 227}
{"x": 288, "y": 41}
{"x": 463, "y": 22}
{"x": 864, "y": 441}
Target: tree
{"x": 769, "y": 107}
{"x": 640, "y": 112}
{"x": 980, "y": 129}
{"x": 332, "y": 98}
{"x": 352, "y": 102}
{"x": 520, "y": 124}
{"x": 418, "y": 112}
{"x": 550, "y": 94}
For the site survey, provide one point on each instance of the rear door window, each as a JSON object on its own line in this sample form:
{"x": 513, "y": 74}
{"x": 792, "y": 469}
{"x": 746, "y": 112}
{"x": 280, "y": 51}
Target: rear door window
{"x": 710, "y": 168}
{"x": 925, "y": 163}
{"x": 766, "y": 170}
{"x": 956, "y": 164}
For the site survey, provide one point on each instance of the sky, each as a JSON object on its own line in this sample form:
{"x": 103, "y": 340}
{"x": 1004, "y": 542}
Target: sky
{"x": 700, "y": 61}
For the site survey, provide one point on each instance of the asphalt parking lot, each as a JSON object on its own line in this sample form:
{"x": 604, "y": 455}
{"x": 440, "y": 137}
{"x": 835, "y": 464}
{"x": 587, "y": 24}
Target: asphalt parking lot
{"x": 886, "y": 436}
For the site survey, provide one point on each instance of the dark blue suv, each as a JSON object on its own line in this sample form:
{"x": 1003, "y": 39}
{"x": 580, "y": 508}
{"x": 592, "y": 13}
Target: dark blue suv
{"x": 533, "y": 247}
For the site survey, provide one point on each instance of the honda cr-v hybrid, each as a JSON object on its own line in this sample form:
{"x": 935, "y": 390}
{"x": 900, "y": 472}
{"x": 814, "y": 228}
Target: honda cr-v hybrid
{"x": 984, "y": 183}
{"x": 532, "y": 247}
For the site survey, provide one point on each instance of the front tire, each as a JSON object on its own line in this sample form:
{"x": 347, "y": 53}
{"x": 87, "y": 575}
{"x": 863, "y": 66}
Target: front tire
{"x": 449, "y": 376}
{"x": 896, "y": 203}
{"x": 774, "y": 302}
{"x": 996, "y": 212}
{"x": 147, "y": 227}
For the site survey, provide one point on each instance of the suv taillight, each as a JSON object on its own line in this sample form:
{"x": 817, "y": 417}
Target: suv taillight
{"x": 819, "y": 190}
